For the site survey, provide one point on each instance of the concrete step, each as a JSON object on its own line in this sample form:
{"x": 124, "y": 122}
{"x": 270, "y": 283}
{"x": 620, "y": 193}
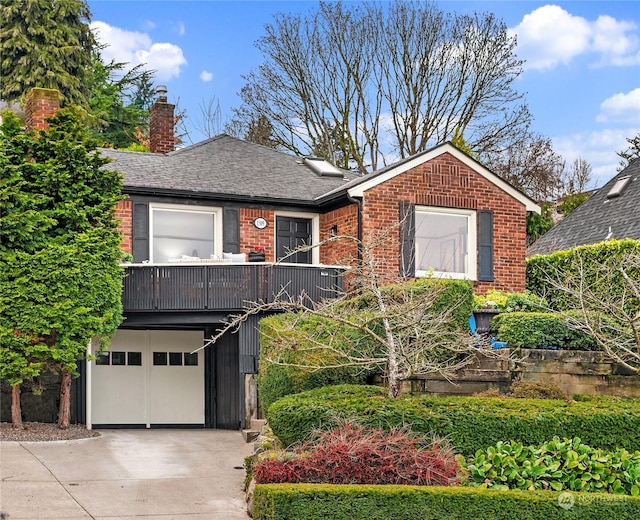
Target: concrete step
{"x": 251, "y": 433}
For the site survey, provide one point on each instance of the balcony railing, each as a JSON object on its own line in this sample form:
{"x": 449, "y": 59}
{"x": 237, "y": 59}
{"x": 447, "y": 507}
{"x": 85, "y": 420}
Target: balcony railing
{"x": 163, "y": 288}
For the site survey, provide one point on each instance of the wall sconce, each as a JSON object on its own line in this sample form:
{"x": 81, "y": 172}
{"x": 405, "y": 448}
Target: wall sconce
{"x": 333, "y": 232}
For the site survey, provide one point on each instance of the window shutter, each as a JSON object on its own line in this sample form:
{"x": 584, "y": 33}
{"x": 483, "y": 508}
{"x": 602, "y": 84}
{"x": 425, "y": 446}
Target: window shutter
{"x": 231, "y": 226}
{"x": 485, "y": 246}
{"x": 140, "y": 231}
{"x": 407, "y": 239}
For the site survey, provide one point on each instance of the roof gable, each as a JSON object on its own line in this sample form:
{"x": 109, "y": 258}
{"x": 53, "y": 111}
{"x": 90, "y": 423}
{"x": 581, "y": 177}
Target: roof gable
{"x": 357, "y": 187}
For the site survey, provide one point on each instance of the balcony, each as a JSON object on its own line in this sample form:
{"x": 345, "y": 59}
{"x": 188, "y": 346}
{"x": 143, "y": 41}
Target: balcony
{"x": 224, "y": 287}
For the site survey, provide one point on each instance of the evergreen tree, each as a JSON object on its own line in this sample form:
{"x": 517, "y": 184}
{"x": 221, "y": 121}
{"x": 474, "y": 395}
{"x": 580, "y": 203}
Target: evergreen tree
{"x": 60, "y": 277}
{"x": 48, "y": 44}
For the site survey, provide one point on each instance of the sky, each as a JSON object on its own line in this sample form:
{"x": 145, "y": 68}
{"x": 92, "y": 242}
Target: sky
{"x": 581, "y": 75}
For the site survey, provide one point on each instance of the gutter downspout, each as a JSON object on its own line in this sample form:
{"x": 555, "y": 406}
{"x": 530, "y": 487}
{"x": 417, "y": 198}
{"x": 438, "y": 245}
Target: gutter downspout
{"x": 358, "y": 202}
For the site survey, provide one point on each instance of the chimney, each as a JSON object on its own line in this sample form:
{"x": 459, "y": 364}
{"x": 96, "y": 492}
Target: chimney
{"x": 161, "y": 137}
{"x": 40, "y": 104}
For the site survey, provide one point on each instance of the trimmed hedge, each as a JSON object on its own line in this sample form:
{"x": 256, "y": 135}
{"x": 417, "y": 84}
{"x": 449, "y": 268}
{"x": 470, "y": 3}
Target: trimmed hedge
{"x": 276, "y": 381}
{"x": 539, "y": 330}
{"x": 610, "y": 253}
{"x": 470, "y": 423}
{"x": 366, "y": 502}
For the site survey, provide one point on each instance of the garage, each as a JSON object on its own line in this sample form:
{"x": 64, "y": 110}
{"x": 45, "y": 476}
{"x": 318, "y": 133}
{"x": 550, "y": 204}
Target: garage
{"x": 149, "y": 378}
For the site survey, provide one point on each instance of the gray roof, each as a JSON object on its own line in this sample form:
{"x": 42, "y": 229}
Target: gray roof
{"x": 223, "y": 166}
{"x": 599, "y": 218}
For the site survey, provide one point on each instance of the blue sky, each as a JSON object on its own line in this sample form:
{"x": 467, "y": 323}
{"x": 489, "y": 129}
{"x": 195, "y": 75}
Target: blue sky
{"x": 581, "y": 75}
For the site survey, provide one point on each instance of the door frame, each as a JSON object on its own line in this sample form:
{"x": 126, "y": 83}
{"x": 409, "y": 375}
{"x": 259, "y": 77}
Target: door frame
{"x": 315, "y": 230}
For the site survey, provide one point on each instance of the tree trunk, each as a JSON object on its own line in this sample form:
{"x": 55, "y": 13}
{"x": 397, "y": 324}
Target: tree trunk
{"x": 64, "y": 413}
{"x": 16, "y": 409}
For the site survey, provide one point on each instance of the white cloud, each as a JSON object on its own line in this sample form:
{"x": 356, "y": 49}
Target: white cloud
{"x": 179, "y": 28}
{"x": 621, "y": 107}
{"x": 206, "y": 76}
{"x": 549, "y": 36}
{"x": 134, "y": 48}
{"x": 599, "y": 148}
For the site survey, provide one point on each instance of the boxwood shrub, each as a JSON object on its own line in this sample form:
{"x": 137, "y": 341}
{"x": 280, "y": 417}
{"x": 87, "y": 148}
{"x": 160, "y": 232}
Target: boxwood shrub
{"x": 539, "y": 330}
{"x": 470, "y": 423}
{"x": 368, "y": 502}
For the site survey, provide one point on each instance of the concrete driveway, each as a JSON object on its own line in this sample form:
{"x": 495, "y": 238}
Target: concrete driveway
{"x": 126, "y": 474}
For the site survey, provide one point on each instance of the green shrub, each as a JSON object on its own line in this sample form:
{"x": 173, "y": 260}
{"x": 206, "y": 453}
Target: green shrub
{"x": 609, "y": 253}
{"x": 521, "y": 389}
{"x": 276, "y": 381}
{"x": 559, "y": 465}
{"x": 368, "y": 502}
{"x": 470, "y": 423}
{"x": 539, "y": 330}
{"x": 510, "y": 302}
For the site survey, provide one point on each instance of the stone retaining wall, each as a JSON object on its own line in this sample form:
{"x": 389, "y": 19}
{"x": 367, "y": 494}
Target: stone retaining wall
{"x": 576, "y": 372}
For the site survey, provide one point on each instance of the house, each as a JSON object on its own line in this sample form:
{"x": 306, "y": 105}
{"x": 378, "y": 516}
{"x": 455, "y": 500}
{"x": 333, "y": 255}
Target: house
{"x": 192, "y": 215}
{"x": 611, "y": 212}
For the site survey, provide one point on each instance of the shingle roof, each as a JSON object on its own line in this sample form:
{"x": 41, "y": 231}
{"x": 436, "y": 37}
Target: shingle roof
{"x": 599, "y": 218}
{"x": 225, "y": 165}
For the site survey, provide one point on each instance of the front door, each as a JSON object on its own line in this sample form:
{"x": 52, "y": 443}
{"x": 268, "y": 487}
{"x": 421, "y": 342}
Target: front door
{"x": 292, "y": 233}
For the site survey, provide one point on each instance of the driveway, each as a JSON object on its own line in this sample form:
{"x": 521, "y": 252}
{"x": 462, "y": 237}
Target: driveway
{"x": 126, "y": 474}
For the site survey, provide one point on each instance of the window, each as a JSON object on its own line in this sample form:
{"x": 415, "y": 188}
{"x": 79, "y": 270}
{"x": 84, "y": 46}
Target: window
{"x": 190, "y": 360}
{"x": 445, "y": 242}
{"x": 184, "y": 231}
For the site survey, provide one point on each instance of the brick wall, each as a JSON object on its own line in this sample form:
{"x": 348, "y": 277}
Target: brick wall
{"x": 40, "y": 103}
{"x": 447, "y": 182}
{"x": 124, "y": 213}
{"x": 251, "y": 236}
{"x": 339, "y": 252}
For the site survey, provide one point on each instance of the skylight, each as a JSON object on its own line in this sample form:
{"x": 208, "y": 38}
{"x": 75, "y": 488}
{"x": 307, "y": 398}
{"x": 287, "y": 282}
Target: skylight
{"x": 322, "y": 167}
{"x": 619, "y": 185}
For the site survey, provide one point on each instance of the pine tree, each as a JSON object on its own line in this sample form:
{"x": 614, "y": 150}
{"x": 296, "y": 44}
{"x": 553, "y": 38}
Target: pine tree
{"x": 45, "y": 43}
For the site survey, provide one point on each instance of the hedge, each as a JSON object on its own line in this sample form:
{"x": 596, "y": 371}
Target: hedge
{"x": 470, "y": 423}
{"x": 610, "y": 253}
{"x": 276, "y": 381}
{"x": 367, "y": 502}
{"x": 539, "y": 330}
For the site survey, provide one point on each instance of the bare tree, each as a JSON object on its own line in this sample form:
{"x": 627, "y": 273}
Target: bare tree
{"x": 577, "y": 178}
{"x": 532, "y": 166}
{"x": 631, "y": 153}
{"x": 388, "y": 80}
{"x": 402, "y": 329}
{"x": 606, "y": 302}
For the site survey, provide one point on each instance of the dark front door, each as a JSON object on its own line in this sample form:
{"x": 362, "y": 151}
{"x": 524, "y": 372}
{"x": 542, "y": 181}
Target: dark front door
{"x": 222, "y": 376}
{"x": 292, "y": 233}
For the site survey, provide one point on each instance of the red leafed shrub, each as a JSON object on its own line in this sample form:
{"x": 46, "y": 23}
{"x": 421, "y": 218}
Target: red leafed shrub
{"x": 352, "y": 454}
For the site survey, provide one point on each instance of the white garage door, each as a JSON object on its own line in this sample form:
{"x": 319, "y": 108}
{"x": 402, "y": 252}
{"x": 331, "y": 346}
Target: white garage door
{"x": 149, "y": 377}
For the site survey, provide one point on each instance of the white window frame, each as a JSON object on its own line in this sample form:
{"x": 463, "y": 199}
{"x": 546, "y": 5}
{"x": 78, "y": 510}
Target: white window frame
{"x": 471, "y": 260}
{"x": 217, "y": 223}
{"x": 315, "y": 231}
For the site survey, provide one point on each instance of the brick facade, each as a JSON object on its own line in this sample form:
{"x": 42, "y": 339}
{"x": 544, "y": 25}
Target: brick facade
{"x": 345, "y": 223}
{"x": 124, "y": 213}
{"x": 251, "y": 236}
{"x": 448, "y": 183}
{"x": 40, "y": 103}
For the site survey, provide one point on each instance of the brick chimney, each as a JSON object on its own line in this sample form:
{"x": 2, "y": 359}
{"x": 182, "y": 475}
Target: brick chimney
{"x": 161, "y": 137}
{"x": 40, "y": 104}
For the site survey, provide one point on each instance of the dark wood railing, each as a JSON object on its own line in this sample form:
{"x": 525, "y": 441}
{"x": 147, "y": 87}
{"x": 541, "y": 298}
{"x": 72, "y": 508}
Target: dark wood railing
{"x": 163, "y": 288}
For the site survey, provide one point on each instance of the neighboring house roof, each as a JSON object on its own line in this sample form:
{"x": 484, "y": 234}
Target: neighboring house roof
{"x": 226, "y": 166}
{"x": 603, "y": 216}
{"x": 358, "y": 186}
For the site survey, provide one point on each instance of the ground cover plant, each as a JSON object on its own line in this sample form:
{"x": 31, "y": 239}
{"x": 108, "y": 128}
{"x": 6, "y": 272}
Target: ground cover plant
{"x": 559, "y": 464}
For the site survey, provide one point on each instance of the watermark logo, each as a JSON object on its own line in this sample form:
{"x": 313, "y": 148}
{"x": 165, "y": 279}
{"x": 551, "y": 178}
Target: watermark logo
{"x": 566, "y": 500}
